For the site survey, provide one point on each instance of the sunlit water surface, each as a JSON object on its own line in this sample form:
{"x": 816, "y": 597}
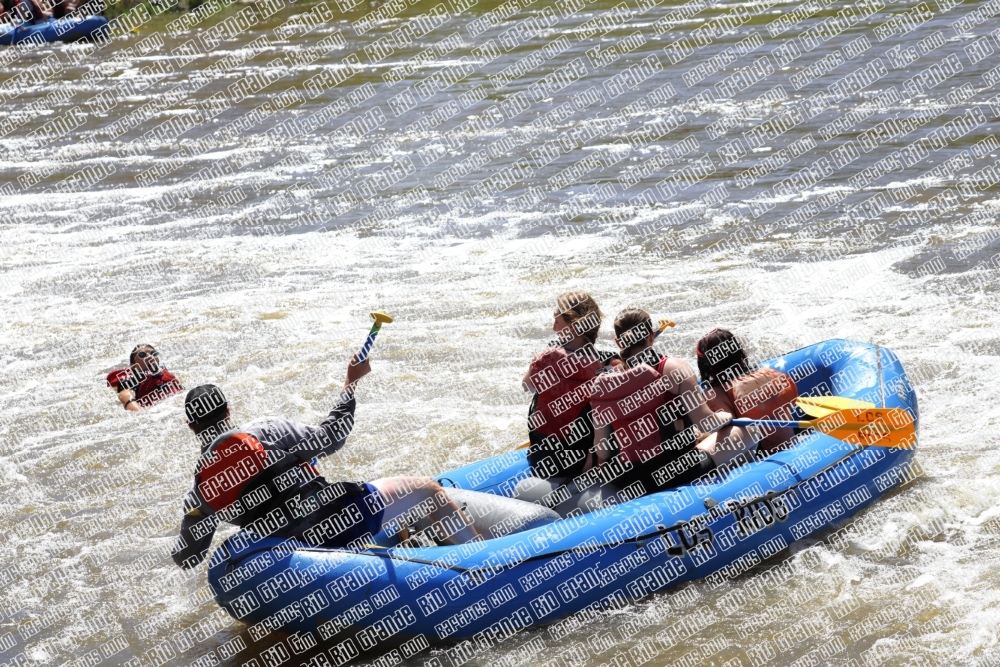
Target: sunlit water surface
{"x": 242, "y": 258}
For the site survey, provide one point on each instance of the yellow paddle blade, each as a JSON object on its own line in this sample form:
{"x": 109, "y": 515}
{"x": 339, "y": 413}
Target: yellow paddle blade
{"x": 666, "y": 323}
{"x": 381, "y": 318}
{"x": 871, "y": 427}
{"x": 524, "y": 445}
{"x": 821, "y": 406}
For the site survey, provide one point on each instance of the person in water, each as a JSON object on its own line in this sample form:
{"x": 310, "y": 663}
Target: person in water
{"x": 559, "y": 426}
{"x": 145, "y": 381}
{"x": 744, "y": 389}
{"x": 653, "y": 413}
{"x": 260, "y": 477}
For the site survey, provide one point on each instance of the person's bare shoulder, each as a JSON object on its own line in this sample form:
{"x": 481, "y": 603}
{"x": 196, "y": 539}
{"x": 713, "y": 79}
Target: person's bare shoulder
{"x": 678, "y": 369}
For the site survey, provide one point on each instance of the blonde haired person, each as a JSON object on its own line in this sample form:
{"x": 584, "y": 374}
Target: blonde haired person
{"x": 559, "y": 426}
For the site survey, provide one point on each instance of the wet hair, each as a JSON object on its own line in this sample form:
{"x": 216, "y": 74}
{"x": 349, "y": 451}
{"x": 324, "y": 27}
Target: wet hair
{"x": 135, "y": 351}
{"x": 632, "y": 328}
{"x": 580, "y": 310}
{"x": 721, "y": 357}
{"x": 205, "y": 406}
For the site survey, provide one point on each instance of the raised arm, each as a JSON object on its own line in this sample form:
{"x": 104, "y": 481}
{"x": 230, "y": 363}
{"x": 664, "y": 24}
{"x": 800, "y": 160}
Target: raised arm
{"x": 331, "y": 434}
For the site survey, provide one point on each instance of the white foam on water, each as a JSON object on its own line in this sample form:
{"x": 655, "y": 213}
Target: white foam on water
{"x": 445, "y": 389}
{"x": 273, "y": 320}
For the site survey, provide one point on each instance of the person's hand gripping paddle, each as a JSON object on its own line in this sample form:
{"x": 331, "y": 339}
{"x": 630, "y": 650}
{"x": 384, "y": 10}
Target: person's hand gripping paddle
{"x": 380, "y": 319}
{"x": 358, "y": 368}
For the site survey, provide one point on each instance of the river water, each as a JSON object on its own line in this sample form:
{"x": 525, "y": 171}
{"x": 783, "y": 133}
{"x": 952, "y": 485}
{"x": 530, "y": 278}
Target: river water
{"x": 241, "y": 185}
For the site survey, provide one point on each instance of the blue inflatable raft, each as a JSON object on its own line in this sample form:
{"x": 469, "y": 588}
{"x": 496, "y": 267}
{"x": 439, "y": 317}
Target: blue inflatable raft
{"x": 71, "y": 29}
{"x": 548, "y": 567}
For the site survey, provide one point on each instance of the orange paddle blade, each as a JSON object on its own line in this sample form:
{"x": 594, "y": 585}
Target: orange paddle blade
{"x": 870, "y": 427}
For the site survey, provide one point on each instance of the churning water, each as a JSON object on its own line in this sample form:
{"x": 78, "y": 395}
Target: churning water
{"x": 241, "y": 185}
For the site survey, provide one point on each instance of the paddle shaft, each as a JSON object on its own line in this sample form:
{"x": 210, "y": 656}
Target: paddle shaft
{"x": 864, "y": 418}
{"x": 367, "y": 347}
{"x": 775, "y": 423}
{"x": 784, "y": 423}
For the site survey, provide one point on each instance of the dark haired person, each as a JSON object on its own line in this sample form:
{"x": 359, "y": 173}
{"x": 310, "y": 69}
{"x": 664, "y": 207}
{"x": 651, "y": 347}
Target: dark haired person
{"x": 145, "y": 381}
{"x": 260, "y": 477}
{"x": 744, "y": 389}
{"x": 64, "y": 8}
{"x": 654, "y": 413}
{"x": 22, "y": 12}
{"x": 559, "y": 427}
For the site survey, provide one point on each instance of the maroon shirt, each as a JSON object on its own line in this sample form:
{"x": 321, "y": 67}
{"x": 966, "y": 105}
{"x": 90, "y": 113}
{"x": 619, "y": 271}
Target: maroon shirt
{"x": 150, "y": 389}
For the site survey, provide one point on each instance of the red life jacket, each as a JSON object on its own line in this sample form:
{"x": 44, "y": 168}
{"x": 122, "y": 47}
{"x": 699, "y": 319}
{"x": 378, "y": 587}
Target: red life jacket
{"x": 764, "y": 394}
{"x": 633, "y": 402}
{"x": 119, "y": 378}
{"x": 238, "y": 465}
{"x": 228, "y": 469}
{"x": 157, "y": 387}
{"x": 562, "y": 380}
{"x": 150, "y": 389}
